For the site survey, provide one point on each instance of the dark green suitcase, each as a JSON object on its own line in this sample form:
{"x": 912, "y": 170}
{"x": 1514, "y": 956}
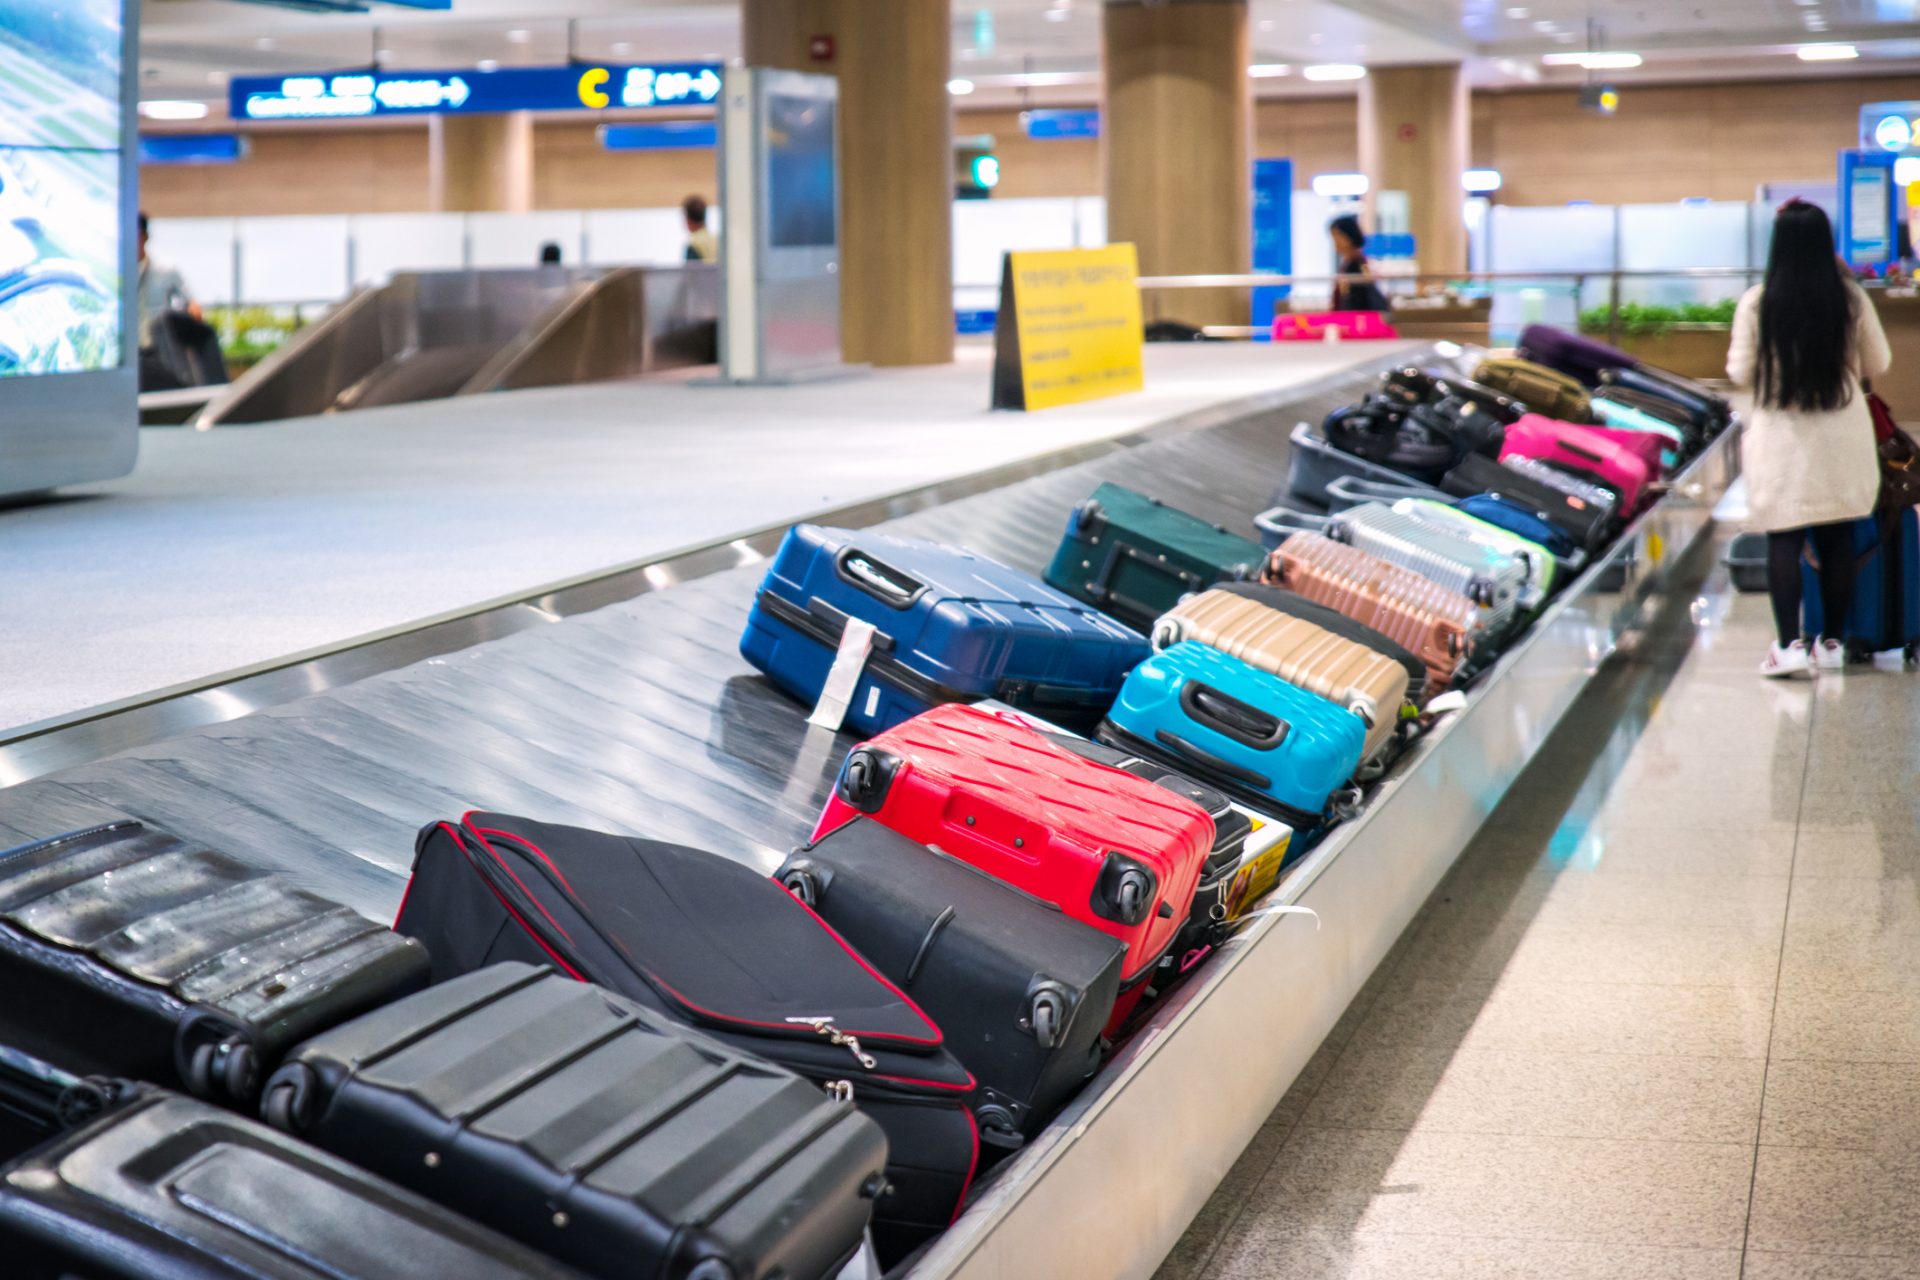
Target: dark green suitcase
{"x": 1133, "y": 557}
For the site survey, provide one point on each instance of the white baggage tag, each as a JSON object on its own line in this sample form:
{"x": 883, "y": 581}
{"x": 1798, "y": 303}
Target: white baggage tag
{"x": 836, "y": 695}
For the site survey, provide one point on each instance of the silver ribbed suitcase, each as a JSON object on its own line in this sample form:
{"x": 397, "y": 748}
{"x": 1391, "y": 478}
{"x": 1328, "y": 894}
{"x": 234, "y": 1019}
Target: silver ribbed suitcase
{"x": 1492, "y": 579}
{"x": 1565, "y": 481}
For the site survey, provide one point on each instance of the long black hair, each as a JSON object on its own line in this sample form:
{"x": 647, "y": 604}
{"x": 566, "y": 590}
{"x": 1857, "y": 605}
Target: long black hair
{"x": 1806, "y": 316}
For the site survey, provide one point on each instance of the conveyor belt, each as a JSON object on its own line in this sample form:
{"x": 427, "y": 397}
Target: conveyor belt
{"x": 638, "y": 717}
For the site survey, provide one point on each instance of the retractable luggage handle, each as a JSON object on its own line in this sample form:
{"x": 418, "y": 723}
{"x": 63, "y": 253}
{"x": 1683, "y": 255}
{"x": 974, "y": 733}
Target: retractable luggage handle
{"x": 1353, "y": 491}
{"x": 1277, "y": 524}
{"x": 1110, "y": 566}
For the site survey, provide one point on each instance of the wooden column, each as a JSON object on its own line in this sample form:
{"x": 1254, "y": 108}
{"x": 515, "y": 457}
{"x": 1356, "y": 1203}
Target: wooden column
{"x": 481, "y": 164}
{"x": 1176, "y": 126}
{"x": 1415, "y": 128}
{"x": 896, "y": 161}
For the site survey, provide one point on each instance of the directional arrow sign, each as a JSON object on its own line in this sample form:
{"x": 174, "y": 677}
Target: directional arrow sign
{"x": 333, "y": 95}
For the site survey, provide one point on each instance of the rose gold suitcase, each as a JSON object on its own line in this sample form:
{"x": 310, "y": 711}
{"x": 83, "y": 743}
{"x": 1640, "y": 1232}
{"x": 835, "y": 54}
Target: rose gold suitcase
{"x": 1433, "y": 622}
{"x": 1370, "y": 684}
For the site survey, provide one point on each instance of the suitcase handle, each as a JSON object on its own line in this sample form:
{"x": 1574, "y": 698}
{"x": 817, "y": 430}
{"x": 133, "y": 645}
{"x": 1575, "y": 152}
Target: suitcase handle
{"x": 1124, "y": 603}
{"x": 874, "y": 577}
{"x": 1580, "y": 451}
{"x": 1231, "y": 718}
{"x": 1206, "y": 760}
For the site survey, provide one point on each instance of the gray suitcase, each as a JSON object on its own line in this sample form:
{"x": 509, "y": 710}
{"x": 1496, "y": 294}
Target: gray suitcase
{"x": 1492, "y": 579}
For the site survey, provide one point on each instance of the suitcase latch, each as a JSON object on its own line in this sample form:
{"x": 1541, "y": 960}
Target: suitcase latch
{"x": 836, "y": 1036}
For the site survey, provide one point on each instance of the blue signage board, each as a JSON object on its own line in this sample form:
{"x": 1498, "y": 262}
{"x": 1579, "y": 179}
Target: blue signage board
{"x": 1272, "y": 236}
{"x": 192, "y": 148}
{"x": 669, "y": 135}
{"x": 1867, "y": 228}
{"x": 1893, "y": 127}
{"x": 589, "y": 87}
{"x": 1048, "y": 124}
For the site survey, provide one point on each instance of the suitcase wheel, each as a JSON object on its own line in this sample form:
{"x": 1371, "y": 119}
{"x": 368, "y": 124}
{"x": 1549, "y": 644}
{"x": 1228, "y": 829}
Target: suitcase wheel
{"x": 1087, "y": 517}
{"x": 1047, "y": 1011}
{"x": 86, "y": 1100}
{"x": 1124, "y": 891}
{"x": 214, "y": 1057}
{"x": 288, "y": 1104}
{"x": 866, "y": 778}
{"x": 803, "y": 882}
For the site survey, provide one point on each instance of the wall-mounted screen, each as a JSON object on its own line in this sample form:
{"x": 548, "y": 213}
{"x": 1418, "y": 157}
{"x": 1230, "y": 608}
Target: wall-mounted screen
{"x": 800, "y": 172}
{"x": 61, "y": 133}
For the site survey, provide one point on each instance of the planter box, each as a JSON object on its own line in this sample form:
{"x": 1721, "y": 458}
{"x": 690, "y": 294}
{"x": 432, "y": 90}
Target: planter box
{"x": 1691, "y": 350}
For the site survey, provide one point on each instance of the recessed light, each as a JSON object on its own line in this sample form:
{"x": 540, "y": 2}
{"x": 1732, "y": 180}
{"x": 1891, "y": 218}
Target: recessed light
{"x": 1268, "y": 70}
{"x": 1517, "y": 12}
{"x": 1480, "y": 181}
{"x": 169, "y": 109}
{"x": 519, "y": 35}
{"x": 1543, "y": 25}
{"x": 1335, "y": 71}
{"x": 1057, "y": 15}
{"x": 959, "y": 88}
{"x": 623, "y": 46}
{"x": 1827, "y": 52}
{"x": 487, "y": 64}
{"x": 1339, "y": 184}
{"x": 264, "y": 42}
{"x": 1592, "y": 61}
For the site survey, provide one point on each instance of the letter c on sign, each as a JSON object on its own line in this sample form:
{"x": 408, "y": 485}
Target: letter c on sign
{"x": 591, "y": 92}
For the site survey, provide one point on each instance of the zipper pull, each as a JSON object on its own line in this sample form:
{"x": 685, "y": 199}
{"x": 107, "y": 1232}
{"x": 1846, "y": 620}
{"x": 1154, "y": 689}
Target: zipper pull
{"x": 839, "y": 1090}
{"x": 838, "y": 1037}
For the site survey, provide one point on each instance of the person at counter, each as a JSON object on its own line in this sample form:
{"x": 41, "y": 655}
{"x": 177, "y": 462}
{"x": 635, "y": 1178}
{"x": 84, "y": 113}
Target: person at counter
{"x": 1349, "y": 250}
{"x": 702, "y": 246}
{"x": 1803, "y": 339}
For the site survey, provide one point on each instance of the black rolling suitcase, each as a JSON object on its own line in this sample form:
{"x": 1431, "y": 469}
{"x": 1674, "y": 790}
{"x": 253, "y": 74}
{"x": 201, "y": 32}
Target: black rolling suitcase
{"x": 572, "y": 1120}
{"x": 1020, "y": 989}
{"x": 132, "y": 1183}
{"x": 127, "y": 952}
{"x": 710, "y": 943}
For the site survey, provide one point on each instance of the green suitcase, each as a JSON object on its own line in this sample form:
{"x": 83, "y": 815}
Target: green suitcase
{"x": 1134, "y": 557}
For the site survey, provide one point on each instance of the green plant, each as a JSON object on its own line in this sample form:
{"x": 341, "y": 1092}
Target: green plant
{"x": 1652, "y": 320}
{"x": 249, "y": 335}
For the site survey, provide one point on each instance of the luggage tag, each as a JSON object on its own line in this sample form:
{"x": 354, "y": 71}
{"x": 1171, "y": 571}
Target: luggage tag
{"x": 836, "y": 694}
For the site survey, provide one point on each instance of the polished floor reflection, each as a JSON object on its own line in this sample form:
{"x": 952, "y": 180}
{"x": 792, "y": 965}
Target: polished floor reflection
{"x": 1662, "y": 1020}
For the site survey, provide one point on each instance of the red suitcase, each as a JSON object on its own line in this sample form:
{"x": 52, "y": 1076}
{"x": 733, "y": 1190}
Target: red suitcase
{"x": 1113, "y": 850}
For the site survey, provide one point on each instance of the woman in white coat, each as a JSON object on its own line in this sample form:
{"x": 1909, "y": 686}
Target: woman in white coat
{"x": 1802, "y": 342}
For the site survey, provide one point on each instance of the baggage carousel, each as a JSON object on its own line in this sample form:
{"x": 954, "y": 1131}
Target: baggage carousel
{"x": 620, "y": 702}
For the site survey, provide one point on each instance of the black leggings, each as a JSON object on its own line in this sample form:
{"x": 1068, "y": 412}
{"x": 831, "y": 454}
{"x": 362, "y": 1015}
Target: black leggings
{"x": 1833, "y": 547}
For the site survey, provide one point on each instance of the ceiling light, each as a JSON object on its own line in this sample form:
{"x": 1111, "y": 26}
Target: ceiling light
{"x": 1057, "y": 15}
{"x": 1268, "y": 70}
{"x": 1826, "y": 52}
{"x": 1906, "y": 171}
{"x": 519, "y": 35}
{"x": 488, "y": 64}
{"x": 1517, "y": 12}
{"x": 169, "y": 109}
{"x": 959, "y": 88}
{"x": 1480, "y": 182}
{"x": 1592, "y": 60}
{"x": 1543, "y": 26}
{"x": 264, "y": 42}
{"x": 1335, "y": 71}
{"x": 1339, "y": 184}
{"x": 623, "y": 46}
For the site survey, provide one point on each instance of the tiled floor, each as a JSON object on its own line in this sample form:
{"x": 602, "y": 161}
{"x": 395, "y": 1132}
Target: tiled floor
{"x": 1663, "y": 1019}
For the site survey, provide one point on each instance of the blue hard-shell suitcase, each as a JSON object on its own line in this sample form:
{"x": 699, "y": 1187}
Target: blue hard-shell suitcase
{"x": 951, "y": 627}
{"x": 1886, "y": 589}
{"x": 1506, "y": 514}
{"x": 1277, "y": 747}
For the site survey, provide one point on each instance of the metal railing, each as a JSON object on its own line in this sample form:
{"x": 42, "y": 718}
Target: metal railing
{"x": 1458, "y": 283}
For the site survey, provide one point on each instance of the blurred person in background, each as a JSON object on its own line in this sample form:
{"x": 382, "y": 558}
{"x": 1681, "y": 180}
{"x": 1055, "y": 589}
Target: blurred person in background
{"x": 1349, "y": 250}
{"x": 702, "y": 246}
{"x": 162, "y": 294}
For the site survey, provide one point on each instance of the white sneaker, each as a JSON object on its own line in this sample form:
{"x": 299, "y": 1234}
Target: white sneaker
{"x": 1784, "y": 662}
{"x": 1829, "y": 655}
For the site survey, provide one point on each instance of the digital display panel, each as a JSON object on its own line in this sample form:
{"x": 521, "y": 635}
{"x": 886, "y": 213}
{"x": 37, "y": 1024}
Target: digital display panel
{"x": 61, "y": 131}
{"x": 337, "y": 95}
{"x": 800, "y": 178}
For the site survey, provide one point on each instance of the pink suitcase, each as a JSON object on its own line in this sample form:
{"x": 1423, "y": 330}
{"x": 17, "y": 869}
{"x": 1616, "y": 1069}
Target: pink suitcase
{"x": 1591, "y": 451}
{"x": 1313, "y": 326}
{"x": 1646, "y": 445}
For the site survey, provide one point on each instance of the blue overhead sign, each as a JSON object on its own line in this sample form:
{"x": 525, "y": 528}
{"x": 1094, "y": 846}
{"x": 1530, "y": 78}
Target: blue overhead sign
{"x": 588, "y": 87}
{"x": 1049, "y": 124}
